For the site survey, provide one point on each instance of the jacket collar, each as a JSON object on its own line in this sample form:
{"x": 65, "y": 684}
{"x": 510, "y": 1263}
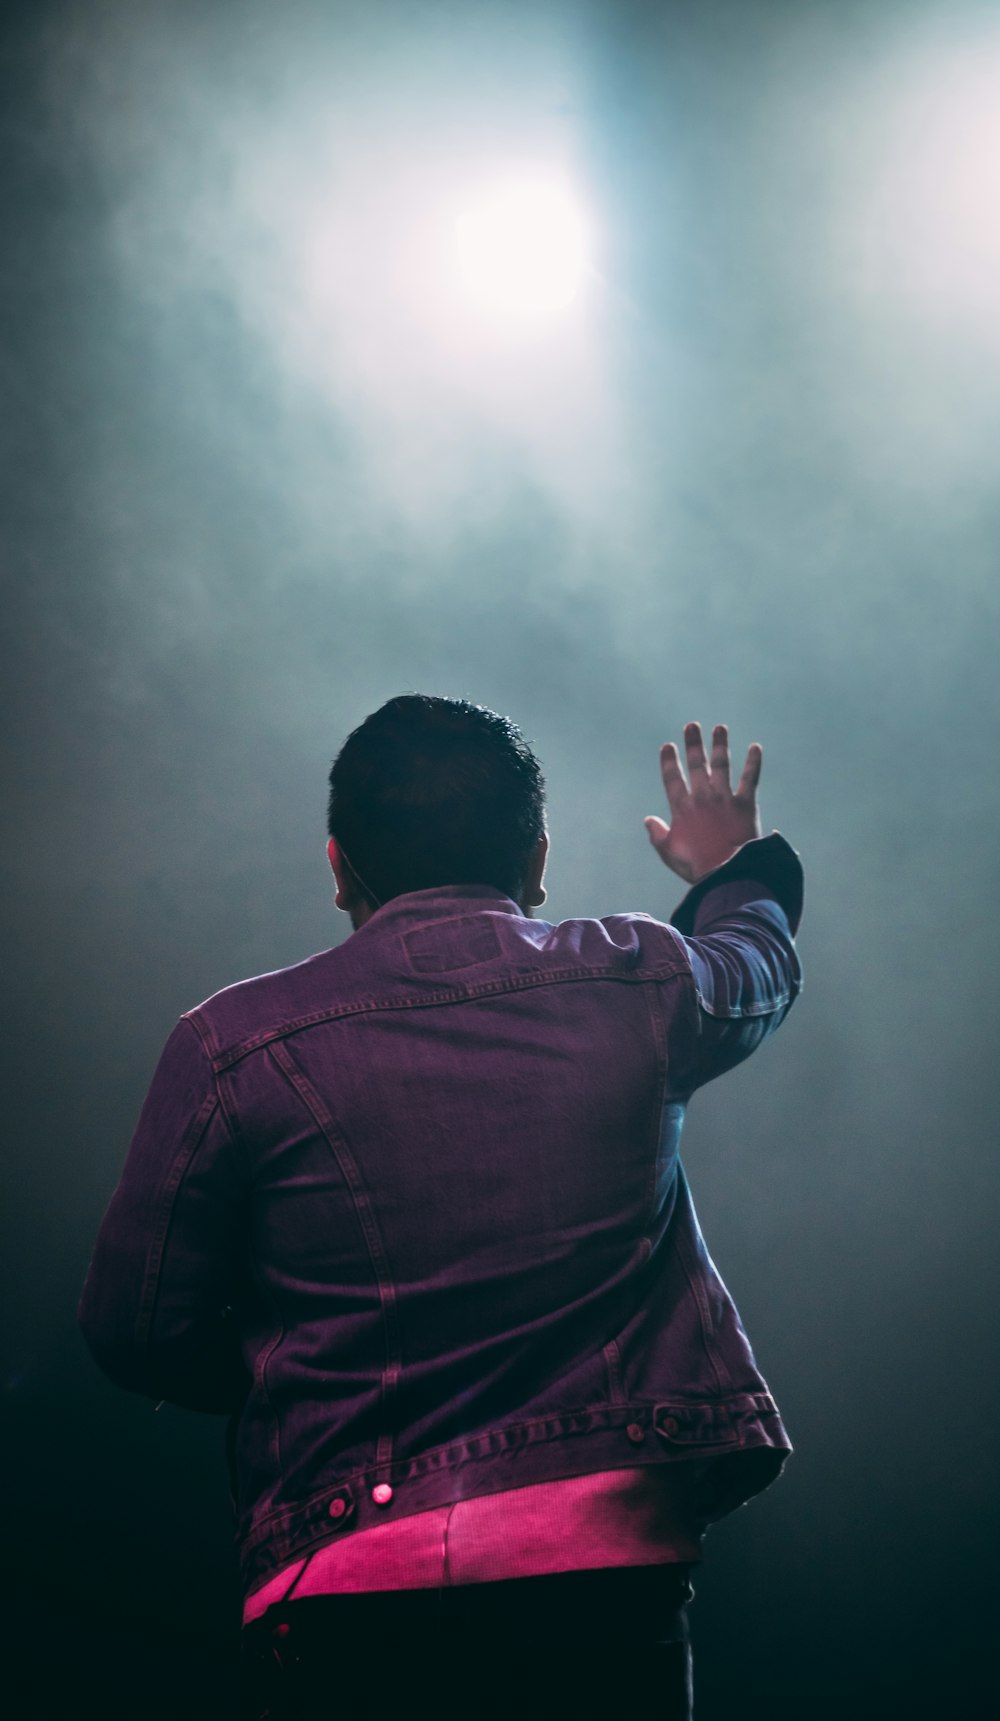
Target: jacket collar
{"x": 443, "y": 902}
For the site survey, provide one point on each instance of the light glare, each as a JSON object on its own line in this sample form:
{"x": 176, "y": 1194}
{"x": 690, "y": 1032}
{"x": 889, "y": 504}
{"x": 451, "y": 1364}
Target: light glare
{"x": 523, "y": 248}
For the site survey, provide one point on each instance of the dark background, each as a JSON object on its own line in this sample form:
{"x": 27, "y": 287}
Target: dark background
{"x": 258, "y": 479}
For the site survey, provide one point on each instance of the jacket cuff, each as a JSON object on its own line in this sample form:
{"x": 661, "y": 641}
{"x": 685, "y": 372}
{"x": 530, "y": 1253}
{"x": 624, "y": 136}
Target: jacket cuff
{"x": 768, "y": 861}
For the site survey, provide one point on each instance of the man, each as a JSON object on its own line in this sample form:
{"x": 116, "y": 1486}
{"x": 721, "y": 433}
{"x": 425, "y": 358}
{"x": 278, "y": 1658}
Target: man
{"x": 412, "y": 1214}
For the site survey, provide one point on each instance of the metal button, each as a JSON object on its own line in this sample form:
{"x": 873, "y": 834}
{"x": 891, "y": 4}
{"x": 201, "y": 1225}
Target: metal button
{"x": 337, "y": 1508}
{"x": 635, "y": 1432}
{"x": 669, "y": 1425}
{"x": 382, "y": 1494}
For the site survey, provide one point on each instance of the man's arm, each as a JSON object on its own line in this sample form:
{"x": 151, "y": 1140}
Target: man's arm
{"x": 165, "y": 1269}
{"x": 739, "y": 919}
{"x": 739, "y": 927}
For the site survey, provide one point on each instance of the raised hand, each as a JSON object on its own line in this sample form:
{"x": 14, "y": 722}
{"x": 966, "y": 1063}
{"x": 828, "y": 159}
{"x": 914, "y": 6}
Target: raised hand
{"x": 708, "y": 822}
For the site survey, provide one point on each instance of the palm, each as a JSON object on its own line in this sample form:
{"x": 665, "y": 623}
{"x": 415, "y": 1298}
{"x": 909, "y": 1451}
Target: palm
{"x": 708, "y": 819}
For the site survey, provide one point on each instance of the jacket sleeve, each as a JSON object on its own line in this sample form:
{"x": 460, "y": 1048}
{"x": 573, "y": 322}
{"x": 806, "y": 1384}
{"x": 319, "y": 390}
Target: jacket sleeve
{"x": 156, "y": 1306}
{"x": 737, "y": 928}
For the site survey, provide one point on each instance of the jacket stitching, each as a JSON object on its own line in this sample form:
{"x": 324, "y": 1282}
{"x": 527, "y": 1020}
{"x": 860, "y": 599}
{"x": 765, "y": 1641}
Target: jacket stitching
{"x": 758, "y": 1405}
{"x": 190, "y": 1143}
{"x": 701, "y": 1304}
{"x": 338, "y": 1146}
{"x": 661, "y": 1044}
{"x": 746, "y": 1012}
{"x": 613, "y": 1360}
{"x": 454, "y": 995}
{"x": 260, "y": 1365}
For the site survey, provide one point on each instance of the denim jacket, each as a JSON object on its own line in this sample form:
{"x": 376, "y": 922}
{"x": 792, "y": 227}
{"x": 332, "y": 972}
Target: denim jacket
{"x": 412, "y": 1214}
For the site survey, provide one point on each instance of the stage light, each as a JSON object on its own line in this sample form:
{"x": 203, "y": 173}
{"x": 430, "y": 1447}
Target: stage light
{"x": 522, "y": 247}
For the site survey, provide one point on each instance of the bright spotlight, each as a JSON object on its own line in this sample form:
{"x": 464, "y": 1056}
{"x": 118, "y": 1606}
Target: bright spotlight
{"x": 522, "y": 248}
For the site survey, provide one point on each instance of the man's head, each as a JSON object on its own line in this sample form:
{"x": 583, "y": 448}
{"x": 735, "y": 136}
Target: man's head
{"x": 430, "y": 792}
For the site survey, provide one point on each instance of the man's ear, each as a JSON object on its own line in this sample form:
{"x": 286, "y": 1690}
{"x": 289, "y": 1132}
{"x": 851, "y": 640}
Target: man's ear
{"x": 345, "y": 894}
{"x": 534, "y": 889}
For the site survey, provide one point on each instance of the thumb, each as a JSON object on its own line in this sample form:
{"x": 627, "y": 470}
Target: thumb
{"x": 657, "y": 831}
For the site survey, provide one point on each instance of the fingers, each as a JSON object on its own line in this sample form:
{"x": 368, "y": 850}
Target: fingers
{"x": 673, "y": 777}
{"x": 746, "y": 788}
{"x": 695, "y": 748}
{"x": 657, "y": 830}
{"x": 720, "y": 757}
{"x": 716, "y": 782}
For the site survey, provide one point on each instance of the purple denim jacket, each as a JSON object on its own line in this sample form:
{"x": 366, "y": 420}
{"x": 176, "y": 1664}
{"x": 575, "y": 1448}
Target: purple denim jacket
{"x": 412, "y": 1213}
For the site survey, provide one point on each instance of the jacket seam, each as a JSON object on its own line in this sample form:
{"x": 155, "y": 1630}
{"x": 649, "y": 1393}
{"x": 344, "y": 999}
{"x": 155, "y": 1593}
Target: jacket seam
{"x": 759, "y": 1404}
{"x": 456, "y": 995}
{"x": 661, "y": 1043}
{"x": 226, "y": 1107}
{"x": 261, "y": 1364}
{"x": 746, "y": 1012}
{"x": 370, "y": 1231}
{"x": 613, "y": 1363}
{"x": 190, "y": 1144}
{"x": 704, "y": 1317}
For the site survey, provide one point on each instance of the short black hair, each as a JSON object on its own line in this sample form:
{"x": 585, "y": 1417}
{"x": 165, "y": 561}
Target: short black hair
{"x": 430, "y": 791}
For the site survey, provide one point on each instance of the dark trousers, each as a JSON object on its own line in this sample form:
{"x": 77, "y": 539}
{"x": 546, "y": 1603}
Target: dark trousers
{"x": 569, "y": 1644}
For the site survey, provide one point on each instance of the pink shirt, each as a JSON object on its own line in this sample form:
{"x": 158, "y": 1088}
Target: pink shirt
{"x": 642, "y": 1516}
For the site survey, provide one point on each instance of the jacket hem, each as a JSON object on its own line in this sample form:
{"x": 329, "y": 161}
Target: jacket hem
{"x": 745, "y": 1431}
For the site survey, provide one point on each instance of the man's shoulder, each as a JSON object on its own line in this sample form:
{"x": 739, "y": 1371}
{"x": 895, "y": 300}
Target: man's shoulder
{"x": 628, "y": 940}
{"x": 253, "y": 1010}
{"x": 367, "y": 972}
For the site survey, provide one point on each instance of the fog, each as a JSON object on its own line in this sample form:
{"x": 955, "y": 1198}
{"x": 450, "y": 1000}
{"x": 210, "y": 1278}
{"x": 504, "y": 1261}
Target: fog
{"x": 265, "y": 467}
